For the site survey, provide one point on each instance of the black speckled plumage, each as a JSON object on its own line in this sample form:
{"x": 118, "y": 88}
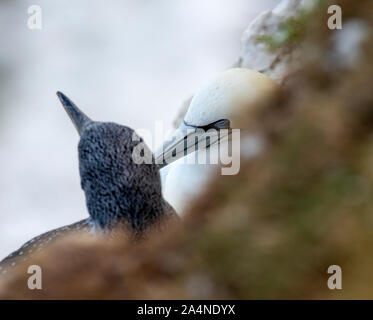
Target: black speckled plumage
{"x": 118, "y": 191}
{"x": 38, "y": 243}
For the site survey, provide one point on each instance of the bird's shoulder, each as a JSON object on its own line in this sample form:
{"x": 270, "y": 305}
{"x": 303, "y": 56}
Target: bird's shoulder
{"x": 36, "y": 244}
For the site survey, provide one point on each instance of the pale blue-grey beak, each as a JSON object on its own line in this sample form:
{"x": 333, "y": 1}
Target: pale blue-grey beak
{"x": 187, "y": 139}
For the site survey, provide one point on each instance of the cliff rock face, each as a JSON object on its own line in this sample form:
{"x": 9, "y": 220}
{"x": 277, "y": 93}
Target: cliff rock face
{"x": 272, "y": 59}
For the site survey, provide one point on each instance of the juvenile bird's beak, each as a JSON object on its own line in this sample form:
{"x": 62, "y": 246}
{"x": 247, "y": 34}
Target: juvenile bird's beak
{"x": 187, "y": 139}
{"x": 79, "y": 119}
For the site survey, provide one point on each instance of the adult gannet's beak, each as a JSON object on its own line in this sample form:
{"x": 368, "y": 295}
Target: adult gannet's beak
{"x": 79, "y": 119}
{"x": 187, "y": 139}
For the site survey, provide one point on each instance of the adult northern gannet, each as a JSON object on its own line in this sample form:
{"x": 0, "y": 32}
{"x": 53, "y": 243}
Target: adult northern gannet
{"x": 215, "y": 107}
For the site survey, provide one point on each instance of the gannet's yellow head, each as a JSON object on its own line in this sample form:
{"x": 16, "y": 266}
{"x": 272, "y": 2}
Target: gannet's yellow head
{"x": 216, "y": 106}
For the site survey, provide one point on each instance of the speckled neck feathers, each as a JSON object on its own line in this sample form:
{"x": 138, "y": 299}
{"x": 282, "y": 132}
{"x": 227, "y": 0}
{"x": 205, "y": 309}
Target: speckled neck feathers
{"x": 117, "y": 189}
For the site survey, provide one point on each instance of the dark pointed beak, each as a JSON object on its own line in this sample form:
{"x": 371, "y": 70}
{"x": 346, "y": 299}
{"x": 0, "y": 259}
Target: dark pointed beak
{"x": 79, "y": 119}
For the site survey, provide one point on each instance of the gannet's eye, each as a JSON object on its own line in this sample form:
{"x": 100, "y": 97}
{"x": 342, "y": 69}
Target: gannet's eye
{"x": 221, "y": 124}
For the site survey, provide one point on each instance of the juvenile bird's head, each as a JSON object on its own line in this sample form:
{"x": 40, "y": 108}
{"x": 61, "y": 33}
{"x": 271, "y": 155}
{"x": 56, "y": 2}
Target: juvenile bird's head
{"x": 117, "y": 188}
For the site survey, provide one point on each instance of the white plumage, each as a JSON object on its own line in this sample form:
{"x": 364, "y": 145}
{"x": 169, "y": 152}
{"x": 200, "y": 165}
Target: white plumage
{"x": 225, "y": 97}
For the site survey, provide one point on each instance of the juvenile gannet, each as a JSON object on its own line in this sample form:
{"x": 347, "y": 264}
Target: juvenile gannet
{"x": 119, "y": 192}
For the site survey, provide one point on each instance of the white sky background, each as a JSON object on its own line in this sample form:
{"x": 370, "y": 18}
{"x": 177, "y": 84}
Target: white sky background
{"x": 131, "y": 62}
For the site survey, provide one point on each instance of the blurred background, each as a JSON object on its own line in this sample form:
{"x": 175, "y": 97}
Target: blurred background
{"x": 132, "y": 62}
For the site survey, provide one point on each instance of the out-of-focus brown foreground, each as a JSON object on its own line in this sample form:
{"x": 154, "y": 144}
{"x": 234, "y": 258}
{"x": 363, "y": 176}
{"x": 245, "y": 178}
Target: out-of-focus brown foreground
{"x": 272, "y": 230}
